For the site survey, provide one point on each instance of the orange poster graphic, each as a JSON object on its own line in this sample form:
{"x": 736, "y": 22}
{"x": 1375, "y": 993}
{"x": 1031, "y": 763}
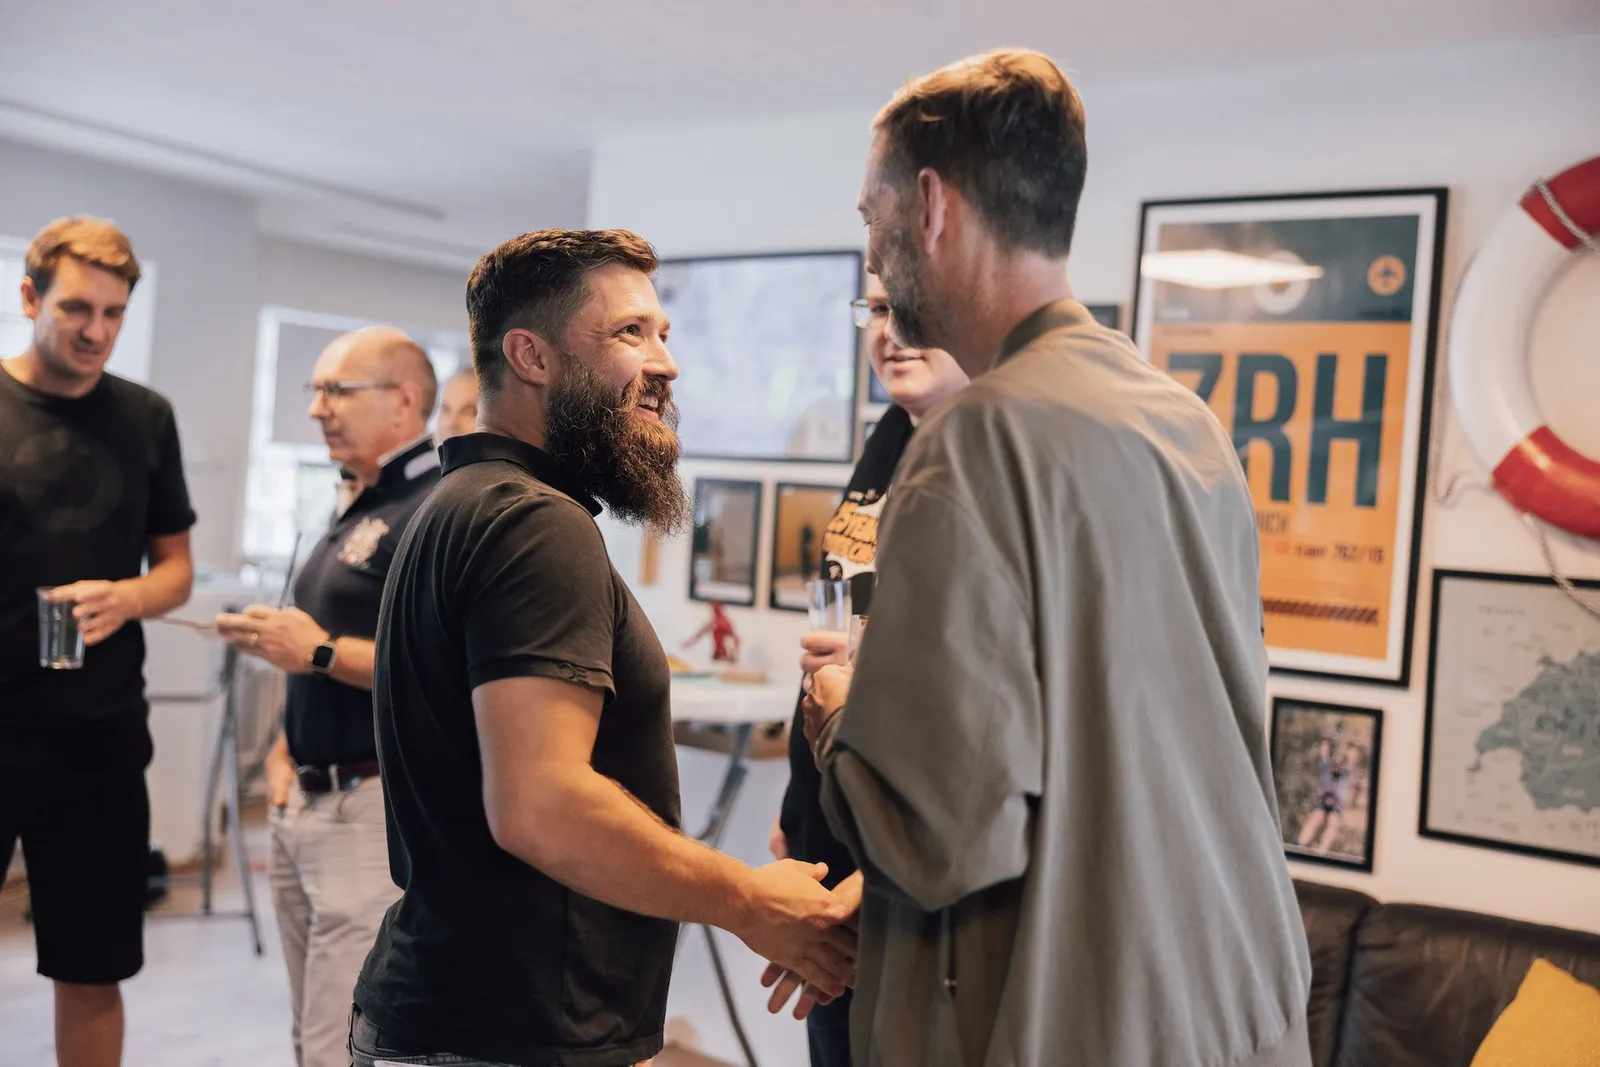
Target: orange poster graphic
{"x": 1318, "y": 411}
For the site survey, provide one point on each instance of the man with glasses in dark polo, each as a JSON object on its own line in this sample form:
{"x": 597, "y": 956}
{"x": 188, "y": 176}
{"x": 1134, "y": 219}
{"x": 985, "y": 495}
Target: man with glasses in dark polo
{"x": 372, "y": 393}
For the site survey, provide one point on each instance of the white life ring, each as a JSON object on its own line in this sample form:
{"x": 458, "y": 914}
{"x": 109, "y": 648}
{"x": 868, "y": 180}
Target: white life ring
{"x": 1537, "y": 472}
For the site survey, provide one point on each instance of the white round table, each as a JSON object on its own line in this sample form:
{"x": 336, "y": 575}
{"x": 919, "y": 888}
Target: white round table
{"x": 710, "y": 700}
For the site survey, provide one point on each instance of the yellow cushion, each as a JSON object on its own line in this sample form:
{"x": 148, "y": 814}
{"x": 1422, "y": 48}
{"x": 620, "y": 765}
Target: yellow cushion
{"x": 1553, "y": 1022}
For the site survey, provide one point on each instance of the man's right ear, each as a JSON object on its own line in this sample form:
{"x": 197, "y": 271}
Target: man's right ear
{"x": 31, "y": 299}
{"x": 529, "y": 356}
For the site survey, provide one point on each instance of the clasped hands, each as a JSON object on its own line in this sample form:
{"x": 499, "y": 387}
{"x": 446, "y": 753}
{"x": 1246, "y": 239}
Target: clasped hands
{"x": 827, "y": 683}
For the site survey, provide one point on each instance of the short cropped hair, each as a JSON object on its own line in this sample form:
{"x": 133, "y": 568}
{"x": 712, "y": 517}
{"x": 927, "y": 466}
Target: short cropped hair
{"x": 537, "y": 282}
{"x": 1006, "y": 129}
{"x": 94, "y": 241}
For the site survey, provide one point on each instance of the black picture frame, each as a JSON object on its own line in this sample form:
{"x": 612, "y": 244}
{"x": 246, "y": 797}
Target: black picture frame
{"x": 1298, "y": 812}
{"x": 1426, "y": 827}
{"x": 1107, "y": 315}
{"x": 822, "y": 502}
{"x": 847, "y": 361}
{"x": 1395, "y": 669}
{"x": 736, "y": 589}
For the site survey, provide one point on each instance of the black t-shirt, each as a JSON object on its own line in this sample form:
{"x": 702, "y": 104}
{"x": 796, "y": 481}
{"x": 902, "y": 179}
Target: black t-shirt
{"x": 85, "y": 483}
{"x": 850, "y": 549}
{"x": 503, "y": 573}
{"x": 341, "y": 586}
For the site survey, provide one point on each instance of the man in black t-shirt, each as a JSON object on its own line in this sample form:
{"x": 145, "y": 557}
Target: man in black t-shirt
{"x": 917, "y": 380}
{"x": 372, "y": 391}
{"x": 91, "y": 489}
{"x": 522, "y": 704}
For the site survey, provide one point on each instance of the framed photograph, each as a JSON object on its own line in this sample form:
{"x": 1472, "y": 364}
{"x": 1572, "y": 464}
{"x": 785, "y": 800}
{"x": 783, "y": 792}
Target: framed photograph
{"x": 1308, "y": 323}
{"x": 798, "y": 529}
{"x": 722, "y": 554}
{"x": 1108, "y": 315}
{"x": 768, "y": 352}
{"x": 1511, "y": 742}
{"x": 1325, "y": 767}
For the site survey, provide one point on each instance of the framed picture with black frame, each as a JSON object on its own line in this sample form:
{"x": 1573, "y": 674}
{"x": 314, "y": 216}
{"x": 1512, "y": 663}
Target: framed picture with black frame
{"x": 725, "y": 541}
{"x": 1325, "y": 760}
{"x": 1511, "y": 730}
{"x": 1308, "y": 323}
{"x": 801, "y": 514}
{"x": 1107, "y": 315}
{"x": 769, "y": 354}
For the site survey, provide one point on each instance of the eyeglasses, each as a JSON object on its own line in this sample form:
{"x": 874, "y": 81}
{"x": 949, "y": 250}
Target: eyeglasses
{"x": 340, "y": 390}
{"x": 865, "y": 311}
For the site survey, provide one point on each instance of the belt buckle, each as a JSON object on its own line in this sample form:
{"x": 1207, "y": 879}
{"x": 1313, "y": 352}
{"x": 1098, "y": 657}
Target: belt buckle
{"x": 340, "y": 784}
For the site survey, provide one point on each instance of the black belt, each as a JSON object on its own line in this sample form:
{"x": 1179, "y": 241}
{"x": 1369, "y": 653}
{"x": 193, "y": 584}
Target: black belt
{"x": 315, "y": 781}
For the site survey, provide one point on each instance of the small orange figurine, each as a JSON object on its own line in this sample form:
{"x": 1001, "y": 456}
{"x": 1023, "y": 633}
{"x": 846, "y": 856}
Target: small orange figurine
{"x": 722, "y": 634}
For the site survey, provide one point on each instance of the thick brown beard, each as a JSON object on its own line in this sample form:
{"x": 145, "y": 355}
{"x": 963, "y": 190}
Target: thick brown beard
{"x": 630, "y": 464}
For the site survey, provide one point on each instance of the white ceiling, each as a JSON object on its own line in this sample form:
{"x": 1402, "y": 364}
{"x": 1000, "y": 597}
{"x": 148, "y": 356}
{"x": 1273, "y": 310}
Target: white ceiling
{"x": 430, "y": 130}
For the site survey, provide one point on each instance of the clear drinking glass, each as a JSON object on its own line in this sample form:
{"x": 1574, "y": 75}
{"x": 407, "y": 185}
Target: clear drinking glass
{"x": 60, "y": 638}
{"x": 828, "y": 603}
{"x": 858, "y": 630}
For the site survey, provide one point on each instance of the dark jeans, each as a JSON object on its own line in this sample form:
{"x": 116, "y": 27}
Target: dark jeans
{"x": 828, "y": 1031}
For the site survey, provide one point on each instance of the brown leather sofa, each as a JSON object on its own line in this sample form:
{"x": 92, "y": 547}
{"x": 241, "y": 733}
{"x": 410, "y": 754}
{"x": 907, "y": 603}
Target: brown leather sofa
{"x": 1404, "y": 985}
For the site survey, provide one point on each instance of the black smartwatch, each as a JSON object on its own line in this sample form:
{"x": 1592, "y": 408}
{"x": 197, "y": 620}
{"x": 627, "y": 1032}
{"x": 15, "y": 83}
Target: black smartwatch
{"x": 322, "y": 657}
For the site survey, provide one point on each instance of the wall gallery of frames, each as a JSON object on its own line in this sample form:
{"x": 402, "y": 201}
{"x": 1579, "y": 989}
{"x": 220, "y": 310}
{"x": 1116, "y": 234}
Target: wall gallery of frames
{"x": 1310, "y": 325}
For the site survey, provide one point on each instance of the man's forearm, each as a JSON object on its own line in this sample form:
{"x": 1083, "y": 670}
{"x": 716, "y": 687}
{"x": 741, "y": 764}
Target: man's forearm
{"x": 594, "y": 838}
{"x": 165, "y": 586}
{"x": 352, "y": 662}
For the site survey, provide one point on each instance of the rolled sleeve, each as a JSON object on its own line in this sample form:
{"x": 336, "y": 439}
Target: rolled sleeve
{"x": 541, "y": 598}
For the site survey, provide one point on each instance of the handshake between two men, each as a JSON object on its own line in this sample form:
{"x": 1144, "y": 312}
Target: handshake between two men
{"x": 826, "y": 684}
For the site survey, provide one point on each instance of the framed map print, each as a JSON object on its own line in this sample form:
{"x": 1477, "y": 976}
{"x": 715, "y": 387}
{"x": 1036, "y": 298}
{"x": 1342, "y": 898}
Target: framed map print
{"x": 1307, "y": 323}
{"x": 767, "y": 354}
{"x": 1511, "y": 749}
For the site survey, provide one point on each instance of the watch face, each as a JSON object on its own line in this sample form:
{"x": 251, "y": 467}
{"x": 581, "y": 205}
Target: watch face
{"x": 322, "y": 658}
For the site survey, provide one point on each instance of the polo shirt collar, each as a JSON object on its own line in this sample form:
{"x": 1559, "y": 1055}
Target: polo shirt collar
{"x": 471, "y": 448}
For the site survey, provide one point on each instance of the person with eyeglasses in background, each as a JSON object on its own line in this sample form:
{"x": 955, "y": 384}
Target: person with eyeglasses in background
{"x": 917, "y": 380}
{"x": 372, "y": 392}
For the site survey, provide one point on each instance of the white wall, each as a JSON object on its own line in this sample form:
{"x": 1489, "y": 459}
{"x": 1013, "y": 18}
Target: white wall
{"x": 1484, "y": 123}
{"x": 309, "y": 278}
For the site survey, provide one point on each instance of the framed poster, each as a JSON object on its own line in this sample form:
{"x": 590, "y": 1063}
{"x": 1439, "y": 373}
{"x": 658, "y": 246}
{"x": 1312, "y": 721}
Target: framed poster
{"x": 1308, "y": 324}
{"x": 722, "y": 552}
{"x": 1511, "y": 744}
{"x": 1107, "y": 315}
{"x": 803, "y": 515}
{"x": 1325, "y": 767}
{"x": 767, "y": 353}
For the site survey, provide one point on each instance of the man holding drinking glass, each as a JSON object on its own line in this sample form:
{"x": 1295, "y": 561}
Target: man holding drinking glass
{"x": 917, "y": 380}
{"x": 91, "y": 489}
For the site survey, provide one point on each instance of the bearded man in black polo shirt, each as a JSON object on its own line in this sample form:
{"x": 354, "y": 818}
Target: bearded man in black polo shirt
{"x": 522, "y": 704}
{"x": 372, "y": 393}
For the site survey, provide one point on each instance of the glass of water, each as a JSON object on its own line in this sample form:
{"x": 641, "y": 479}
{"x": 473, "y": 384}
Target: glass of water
{"x": 828, "y": 602}
{"x": 60, "y": 637}
{"x": 858, "y": 630}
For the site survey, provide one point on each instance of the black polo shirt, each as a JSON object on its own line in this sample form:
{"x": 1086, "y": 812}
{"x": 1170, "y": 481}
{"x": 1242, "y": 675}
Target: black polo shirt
{"x": 504, "y": 574}
{"x": 341, "y": 586}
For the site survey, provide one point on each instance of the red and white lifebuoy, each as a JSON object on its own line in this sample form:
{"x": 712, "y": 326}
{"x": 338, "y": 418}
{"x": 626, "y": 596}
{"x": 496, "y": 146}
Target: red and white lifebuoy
{"x": 1537, "y": 472}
